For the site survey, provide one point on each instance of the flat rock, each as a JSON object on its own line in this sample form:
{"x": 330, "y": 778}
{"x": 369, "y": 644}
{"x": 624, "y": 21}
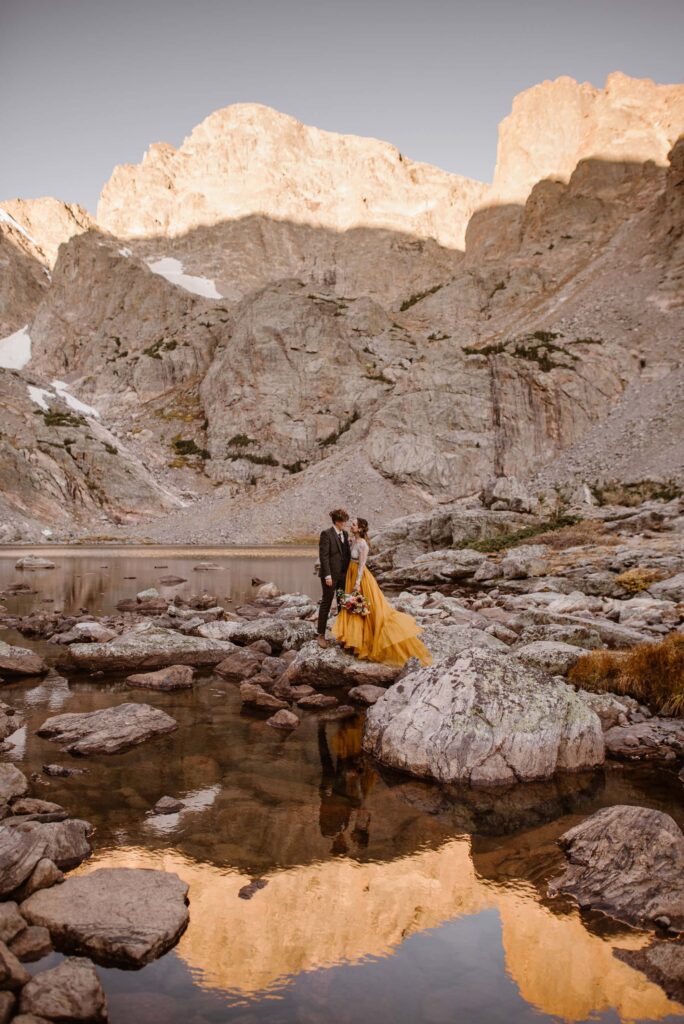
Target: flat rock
{"x": 317, "y": 700}
{"x": 175, "y": 677}
{"x": 34, "y": 562}
{"x": 172, "y": 581}
{"x": 253, "y": 694}
{"x": 627, "y": 862}
{"x": 483, "y": 718}
{"x": 69, "y": 992}
{"x": 19, "y": 661}
{"x": 149, "y": 648}
{"x": 62, "y": 771}
{"x": 108, "y": 730}
{"x": 657, "y": 739}
{"x": 283, "y": 719}
{"x": 442, "y": 566}
{"x": 13, "y": 783}
{"x": 577, "y": 636}
{"x": 366, "y": 693}
{"x": 552, "y": 655}
{"x": 333, "y": 666}
{"x": 124, "y": 917}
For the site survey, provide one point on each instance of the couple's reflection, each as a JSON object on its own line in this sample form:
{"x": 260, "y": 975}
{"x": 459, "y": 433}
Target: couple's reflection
{"x": 346, "y": 780}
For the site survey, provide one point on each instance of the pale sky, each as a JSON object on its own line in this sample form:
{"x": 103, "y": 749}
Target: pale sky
{"x": 87, "y": 84}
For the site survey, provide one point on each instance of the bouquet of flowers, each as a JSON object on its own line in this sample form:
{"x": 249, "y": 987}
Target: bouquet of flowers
{"x": 355, "y": 603}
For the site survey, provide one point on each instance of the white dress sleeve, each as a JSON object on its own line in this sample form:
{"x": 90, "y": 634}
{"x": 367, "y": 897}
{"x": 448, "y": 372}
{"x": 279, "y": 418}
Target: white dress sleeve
{"x": 363, "y": 555}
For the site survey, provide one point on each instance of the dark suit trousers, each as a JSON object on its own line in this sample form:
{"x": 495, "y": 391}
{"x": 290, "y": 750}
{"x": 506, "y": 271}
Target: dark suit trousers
{"x": 327, "y": 600}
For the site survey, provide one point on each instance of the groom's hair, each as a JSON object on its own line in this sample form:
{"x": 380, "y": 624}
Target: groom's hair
{"x": 339, "y": 515}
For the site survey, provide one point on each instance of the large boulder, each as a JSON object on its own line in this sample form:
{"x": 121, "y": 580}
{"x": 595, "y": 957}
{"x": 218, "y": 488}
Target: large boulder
{"x": 333, "y": 666}
{"x": 69, "y": 992}
{"x": 403, "y": 540}
{"x": 627, "y": 862}
{"x": 443, "y": 566}
{"x": 483, "y": 718}
{"x": 149, "y": 647}
{"x": 124, "y": 917}
{"x": 19, "y": 661}
{"x": 108, "y": 730}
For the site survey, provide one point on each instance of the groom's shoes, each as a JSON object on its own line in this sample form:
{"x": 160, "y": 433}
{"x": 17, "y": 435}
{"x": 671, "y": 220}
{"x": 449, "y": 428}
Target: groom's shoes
{"x": 321, "y": 641}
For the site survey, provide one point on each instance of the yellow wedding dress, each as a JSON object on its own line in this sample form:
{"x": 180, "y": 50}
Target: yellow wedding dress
{"x": 386, "y": 635}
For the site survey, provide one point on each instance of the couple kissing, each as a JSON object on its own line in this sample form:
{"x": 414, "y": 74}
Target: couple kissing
{"x": 366, "y": 623}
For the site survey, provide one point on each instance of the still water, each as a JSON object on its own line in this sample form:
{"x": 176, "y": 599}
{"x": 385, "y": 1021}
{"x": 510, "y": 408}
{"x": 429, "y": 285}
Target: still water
{"x": 386, "y": 899}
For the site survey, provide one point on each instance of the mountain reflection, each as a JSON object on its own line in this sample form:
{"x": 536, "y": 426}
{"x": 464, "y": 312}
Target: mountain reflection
{"x": 342, "y": 911}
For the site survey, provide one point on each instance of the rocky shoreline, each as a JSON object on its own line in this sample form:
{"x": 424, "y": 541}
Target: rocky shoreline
{"x": 511, "y": 604}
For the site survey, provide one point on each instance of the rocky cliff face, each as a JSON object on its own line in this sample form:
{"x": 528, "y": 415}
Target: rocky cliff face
{"x": 273, "y": 309}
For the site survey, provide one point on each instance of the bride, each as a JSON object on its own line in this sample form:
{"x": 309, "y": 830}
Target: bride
{"x": 385, "y": 635}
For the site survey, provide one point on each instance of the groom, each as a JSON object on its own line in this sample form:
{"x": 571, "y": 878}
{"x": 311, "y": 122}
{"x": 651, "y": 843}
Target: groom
{"x": 334, "y": 554}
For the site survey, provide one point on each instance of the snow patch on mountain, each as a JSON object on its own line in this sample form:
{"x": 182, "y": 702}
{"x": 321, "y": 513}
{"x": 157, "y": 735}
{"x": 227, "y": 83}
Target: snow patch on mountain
{"x": 15, "y": 349}
{"x": 172, "y": 270}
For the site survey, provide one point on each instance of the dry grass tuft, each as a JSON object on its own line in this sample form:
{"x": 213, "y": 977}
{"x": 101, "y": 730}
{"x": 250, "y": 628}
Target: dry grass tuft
{"x": 586, "y": 531}
{"x": 652, "y": 673}
{"x": 636, "y": 580}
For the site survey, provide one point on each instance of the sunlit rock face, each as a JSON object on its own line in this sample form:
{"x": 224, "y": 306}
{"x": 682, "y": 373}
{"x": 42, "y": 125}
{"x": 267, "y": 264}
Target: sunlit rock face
{"x": 250, "y": 159}
{"x": 342, "y": 911}
{"x": 554, "y": 125}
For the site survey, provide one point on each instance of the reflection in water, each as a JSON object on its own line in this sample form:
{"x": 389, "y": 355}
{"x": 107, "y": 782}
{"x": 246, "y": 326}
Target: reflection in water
{"x": 96, "y": 582}
{"x": 345, "y": 781}
{"x": 386, "y": 897}
{"x": 342, "y": 911}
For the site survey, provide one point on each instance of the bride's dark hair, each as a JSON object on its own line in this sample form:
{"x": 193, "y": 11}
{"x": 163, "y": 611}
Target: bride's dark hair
{"x": 362, "y": 526}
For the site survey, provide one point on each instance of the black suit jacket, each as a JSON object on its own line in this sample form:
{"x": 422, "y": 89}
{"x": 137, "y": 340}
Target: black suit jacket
{"x": 333, "y": 556}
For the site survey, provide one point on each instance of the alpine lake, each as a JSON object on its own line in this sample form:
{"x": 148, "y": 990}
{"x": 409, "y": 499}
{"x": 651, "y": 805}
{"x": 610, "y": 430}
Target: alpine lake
{"x": 378, "y": 897}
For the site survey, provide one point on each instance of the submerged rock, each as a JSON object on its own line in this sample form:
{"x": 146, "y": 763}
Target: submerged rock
{"x": 661, "y": 962}
{"x": 149, "y": 648}
{"x": 124, "y": 917}
{"x": 253, "y": 694}
{"x": 283, "y": 719}
{"x": 69, "y": 992}
{"x": 175, "y": 677}
{"x": 483, "y": 718}
{"x": 627, "y": 862}
{"x": 108, "y": 730}
{"x": 34, "y": 562}
{"x": 19, "y": 661}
